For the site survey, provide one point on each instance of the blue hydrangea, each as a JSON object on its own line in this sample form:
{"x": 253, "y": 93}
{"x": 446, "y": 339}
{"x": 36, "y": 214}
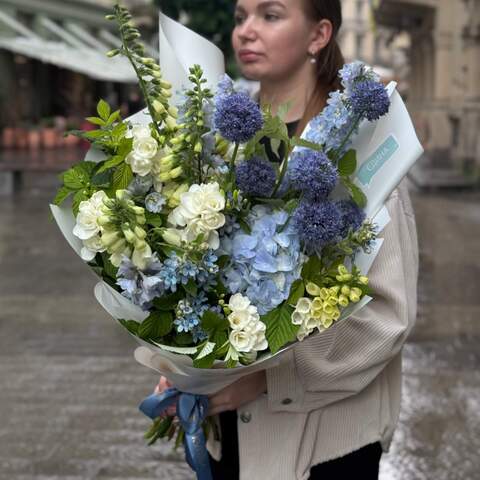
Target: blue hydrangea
{"x": 224, "y": 87}
{"x": 237, "y": 117}
{"x": 370, "y": 100}
{"x": 140, "y": 186}
{"x": 352, "y": 216}
{"x": 256, "y": 177}
{"x": 317, "y": 223}
{"x": 263, "y": 264}
{"x": 312, "y": 173}
{"x": 154, "y": 202}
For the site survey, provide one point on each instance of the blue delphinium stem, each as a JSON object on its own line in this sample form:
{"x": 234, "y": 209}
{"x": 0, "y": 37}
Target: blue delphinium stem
{"x": 345, "y": 140}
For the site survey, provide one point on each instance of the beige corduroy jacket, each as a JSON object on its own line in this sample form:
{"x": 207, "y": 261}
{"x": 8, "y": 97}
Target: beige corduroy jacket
{"x": 339, "y": 390}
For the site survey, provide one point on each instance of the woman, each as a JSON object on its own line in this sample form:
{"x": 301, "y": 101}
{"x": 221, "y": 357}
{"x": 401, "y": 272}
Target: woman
{"x": 332, "y": 405}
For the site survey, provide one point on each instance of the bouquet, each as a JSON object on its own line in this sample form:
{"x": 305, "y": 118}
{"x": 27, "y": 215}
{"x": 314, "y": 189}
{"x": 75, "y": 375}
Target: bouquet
{"x": 215, "y": 259}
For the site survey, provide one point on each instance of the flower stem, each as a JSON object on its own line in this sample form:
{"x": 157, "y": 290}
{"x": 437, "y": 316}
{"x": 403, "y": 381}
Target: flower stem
{"x": 345, "y": 140}
{"x": 283, "y": 169}
{"x": 232, "y": 163}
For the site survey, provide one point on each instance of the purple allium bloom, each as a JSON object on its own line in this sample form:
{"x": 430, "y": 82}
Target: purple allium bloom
{"x": 317, "y": 223}
{"x": 313, "y": 174}
{"x": 370, "y": 100}
{"x": 237, "y": 117}
{"x": 352, "y": 216}
{"x": 256, "y": 177}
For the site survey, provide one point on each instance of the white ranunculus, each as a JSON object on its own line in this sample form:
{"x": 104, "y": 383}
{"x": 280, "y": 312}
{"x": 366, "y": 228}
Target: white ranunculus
{"x": 145, "y": 147}
{"x": 87, "y": 218}
{"x": 213, "y": 199}
{"x": 91, "y": 247}
{"x": 212, "y": 221}
{"x": 140, "y": 165}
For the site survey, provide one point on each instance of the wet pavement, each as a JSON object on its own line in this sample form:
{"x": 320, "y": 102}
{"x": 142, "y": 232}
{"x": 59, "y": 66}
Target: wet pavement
{"x": 69, "y": 386}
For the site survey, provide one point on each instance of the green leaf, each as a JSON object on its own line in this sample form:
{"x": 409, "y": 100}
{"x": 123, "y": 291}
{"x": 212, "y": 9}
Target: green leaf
{"x": 311, "y": 268}
{"x": 156, "y": 325}
{"x": 108, "y": 268}
{"x": 125, "y": 147}
{"x": 280, "y": 329}
{"x": 114, "y": 116}
{"x": 122, "y": 176}
{"x": 348, "y": 163}
{"x": 244, "y": 226}
{"x": 130, "y": 325}
{"x": 205, "y": 362}
{"x": 95, "y": 134}
{"x": 357, "y": 195}
{"x": 96, "y": 121}
{"x": 183, "y": 339}
{"x": 191, "y": 287}
{"x": 275, "y": 144}
{"x": 78, "y": 198}
{"x": 213, "y": 323}
{"x": 168, "y": 302}
{"x": 283, "y": 110}
{"x": 153, "y": 219}
{"x": 297, "y": 290}
{"x": 103, "y": 109}
{"x": 291, "y": 205}
{"x": 102, "y": 179}
{"x": 62, "y": 194}
{"x": 111, "y": 162}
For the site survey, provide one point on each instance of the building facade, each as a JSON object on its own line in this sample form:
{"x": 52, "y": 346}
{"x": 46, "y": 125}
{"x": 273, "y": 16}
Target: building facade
{"x": 444, "y": 81}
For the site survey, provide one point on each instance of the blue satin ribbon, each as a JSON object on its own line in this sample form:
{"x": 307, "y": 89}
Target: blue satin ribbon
{"x": 191, "y": 411}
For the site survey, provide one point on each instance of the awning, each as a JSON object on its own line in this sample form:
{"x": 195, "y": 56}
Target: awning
{"x": 74, "y": 50}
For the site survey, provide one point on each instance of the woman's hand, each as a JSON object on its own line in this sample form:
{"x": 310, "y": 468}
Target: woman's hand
{"x": 243, "y": 391}
{"x": 163, "y": 384}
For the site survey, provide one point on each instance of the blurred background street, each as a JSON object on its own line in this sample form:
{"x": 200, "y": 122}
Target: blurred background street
{"x": 69, "y": 386}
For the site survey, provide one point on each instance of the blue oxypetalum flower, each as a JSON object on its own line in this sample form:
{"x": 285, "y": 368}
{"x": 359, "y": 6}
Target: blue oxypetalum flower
{"x": 256, "y": 177}
{"x": 370, "y": 100}
{"x": 237, "y": 117}
{"x": 154, "y": 202}
{"x": 312, "y": 173}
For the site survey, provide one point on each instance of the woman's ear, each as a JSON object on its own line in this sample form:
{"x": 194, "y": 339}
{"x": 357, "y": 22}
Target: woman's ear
{"x": 321, "y": 34}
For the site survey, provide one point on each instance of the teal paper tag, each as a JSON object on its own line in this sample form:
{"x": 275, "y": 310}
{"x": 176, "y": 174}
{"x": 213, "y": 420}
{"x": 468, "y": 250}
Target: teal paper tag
{"x": 378, "y": 158}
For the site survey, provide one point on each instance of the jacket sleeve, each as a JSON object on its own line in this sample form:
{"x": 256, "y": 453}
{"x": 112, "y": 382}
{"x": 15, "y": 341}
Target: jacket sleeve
{"x": 344, "y": 359}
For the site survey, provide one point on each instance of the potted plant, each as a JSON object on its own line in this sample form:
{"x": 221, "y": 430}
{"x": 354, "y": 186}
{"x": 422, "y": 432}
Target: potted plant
{"x": 8, "y": 136}
{"x": 34, "y": 138}
{"x": 49, "y": 133}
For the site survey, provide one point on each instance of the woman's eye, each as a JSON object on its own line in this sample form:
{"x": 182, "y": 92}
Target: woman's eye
{"x": 271, "y": 17}
{"x": 238, "y": 19}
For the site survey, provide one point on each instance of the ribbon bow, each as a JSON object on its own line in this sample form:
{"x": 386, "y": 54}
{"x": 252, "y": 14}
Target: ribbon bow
{"x": 191, "y": 411}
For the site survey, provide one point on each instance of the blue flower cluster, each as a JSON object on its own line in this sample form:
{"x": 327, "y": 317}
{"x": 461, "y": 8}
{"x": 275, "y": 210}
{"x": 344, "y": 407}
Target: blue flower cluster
{"x": 266, "y": 262}
{"x": 352, "y": 216}
{"x": 140, "y": 186}
{"x": 189, "y": 312}
{"x": 154, "y": 202}
{"x": 312, "y": 173}
{"x": 159, "y": 278}
{"x": 317, "y": 223}
{"x": 363, "y": 97}
{"x": 237, "y": 117}
{"x": 256, "y": 177}
{"x": 369, "y": 99}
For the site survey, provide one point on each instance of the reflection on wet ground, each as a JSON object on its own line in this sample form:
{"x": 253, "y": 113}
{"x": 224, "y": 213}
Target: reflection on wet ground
{"x": 70, "y": 387}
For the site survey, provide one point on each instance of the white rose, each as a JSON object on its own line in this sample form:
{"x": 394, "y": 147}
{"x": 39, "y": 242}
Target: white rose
{"x": 145, "y": 147}
{"x": 140, "y": 165}
{"x": 87, "y": 218}
{"x": 141, "y": 131}
{"x": 212, "y": 221}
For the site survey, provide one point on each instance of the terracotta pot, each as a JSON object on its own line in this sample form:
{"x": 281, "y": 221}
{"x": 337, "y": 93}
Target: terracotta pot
{"x": 34, "y": 140}
{"x": 49, "y": 137}
{"x": 8, "y": 137}
{"x": 21, "y": 138}
{"x": 70, "y": 141}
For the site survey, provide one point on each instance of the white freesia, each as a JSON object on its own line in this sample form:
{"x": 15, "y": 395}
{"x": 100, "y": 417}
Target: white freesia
{"x": 87, "y": 218}
{"x": 248, "y": 331}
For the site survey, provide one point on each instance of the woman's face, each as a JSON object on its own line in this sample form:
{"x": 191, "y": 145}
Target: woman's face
{"x": 271, "y": 38}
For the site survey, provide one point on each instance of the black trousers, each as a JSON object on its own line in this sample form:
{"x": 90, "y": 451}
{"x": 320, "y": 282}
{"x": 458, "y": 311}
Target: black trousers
{"x": 364, "y": 462}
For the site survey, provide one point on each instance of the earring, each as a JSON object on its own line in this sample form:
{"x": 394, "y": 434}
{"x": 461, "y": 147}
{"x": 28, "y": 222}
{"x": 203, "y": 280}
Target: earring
{"x": 313, "y": 60}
